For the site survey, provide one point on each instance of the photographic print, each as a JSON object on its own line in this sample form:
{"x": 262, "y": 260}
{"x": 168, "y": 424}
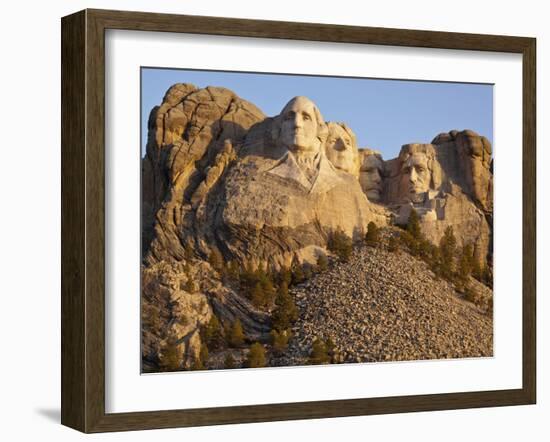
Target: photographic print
{"x": 294, "y": 220}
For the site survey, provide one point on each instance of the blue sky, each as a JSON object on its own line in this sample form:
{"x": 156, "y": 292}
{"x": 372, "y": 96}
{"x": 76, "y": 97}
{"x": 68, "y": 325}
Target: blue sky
{"x": 384, "y": 114}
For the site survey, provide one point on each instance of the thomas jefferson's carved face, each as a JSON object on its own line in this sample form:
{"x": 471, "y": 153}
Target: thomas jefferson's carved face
{"x": 341, "y": 149}
{"x": 415, "y": 176}
{"x": 299, "y": 126}
{"x": 371, "y": 176}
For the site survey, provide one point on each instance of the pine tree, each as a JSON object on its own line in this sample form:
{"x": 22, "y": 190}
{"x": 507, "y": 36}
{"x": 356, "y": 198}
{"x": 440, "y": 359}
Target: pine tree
{"x": 297, "y": 274}
{"x": 447, "y": 247}
{"x": 257, "y": 295}
{"x": 189, "y": 253}
{"x": 392, "y": 244}
{"x": 279, "y": 340}
{"x": 285, "y": 312}
{"x": 372, "y": 236}
{"x": 170, "y": 359}
{"x": 236, "y": 335}
{"x": 256, "y": 356}
{"x": 285, "y": 277}
{"x": 213, "y": 334}
{"x": 322, "y": 263}
{"x": 331, "y": 348}
{"x": 190, "y": 286}
{"x": 341, "y": 244}
{"x": 413, "y": 225}
{"x": 216, "y": 260}
{"x": 466, "y": 262}
{"x": 200, "y": 361}
{"x": 319, "y": 353}
{"x": 229, "y": 361}
{"x": 233, "y": 271}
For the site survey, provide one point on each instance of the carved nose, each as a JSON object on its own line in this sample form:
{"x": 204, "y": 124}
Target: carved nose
{"x": 340, "y": 145}
{"x": 412, "y": 177}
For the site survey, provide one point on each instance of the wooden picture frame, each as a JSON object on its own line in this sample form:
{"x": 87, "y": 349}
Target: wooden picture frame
{"x": 83, "y": 220}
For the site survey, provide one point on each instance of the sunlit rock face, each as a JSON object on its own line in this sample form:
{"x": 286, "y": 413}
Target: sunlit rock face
{"x": 467, "y": 160}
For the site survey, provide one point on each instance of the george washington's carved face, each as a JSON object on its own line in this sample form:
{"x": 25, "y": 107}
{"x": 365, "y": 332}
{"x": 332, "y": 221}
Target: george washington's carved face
{"x": 300, "y": 126}
{"x": 341, "y": 148}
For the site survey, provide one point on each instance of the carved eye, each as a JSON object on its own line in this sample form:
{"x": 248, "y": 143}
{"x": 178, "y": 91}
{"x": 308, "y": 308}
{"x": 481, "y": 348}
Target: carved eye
{"x": 289, "y": 116}
{"x": 306, "y": 117}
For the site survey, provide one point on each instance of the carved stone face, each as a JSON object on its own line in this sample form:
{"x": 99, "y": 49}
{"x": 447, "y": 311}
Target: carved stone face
{"x": 299, "y": 126}
{"x": 341, "y": 148}
{"x": 415, "y": 176}
{"x": 370, "y": 175}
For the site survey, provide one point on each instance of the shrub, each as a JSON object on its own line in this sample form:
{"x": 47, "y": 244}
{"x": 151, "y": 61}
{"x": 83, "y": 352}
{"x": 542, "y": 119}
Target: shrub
{"x": 340, "y": 244}
{"x": 256, "y": 356}
{"x": 373, "y": 234}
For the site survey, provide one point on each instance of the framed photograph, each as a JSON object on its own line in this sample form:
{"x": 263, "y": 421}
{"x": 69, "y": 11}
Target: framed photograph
{"x": 268, "y": 221}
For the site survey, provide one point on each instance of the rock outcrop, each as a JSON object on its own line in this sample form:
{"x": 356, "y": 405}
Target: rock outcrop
{"x": 186, "y": 133}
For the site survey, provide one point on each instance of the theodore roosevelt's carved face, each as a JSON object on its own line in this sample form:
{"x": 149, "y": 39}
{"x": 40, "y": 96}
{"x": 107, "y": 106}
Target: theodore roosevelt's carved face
{"x": 371, "y": 173}
{"x": 300, "y": 126}
{"x": 341, "y": 148}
